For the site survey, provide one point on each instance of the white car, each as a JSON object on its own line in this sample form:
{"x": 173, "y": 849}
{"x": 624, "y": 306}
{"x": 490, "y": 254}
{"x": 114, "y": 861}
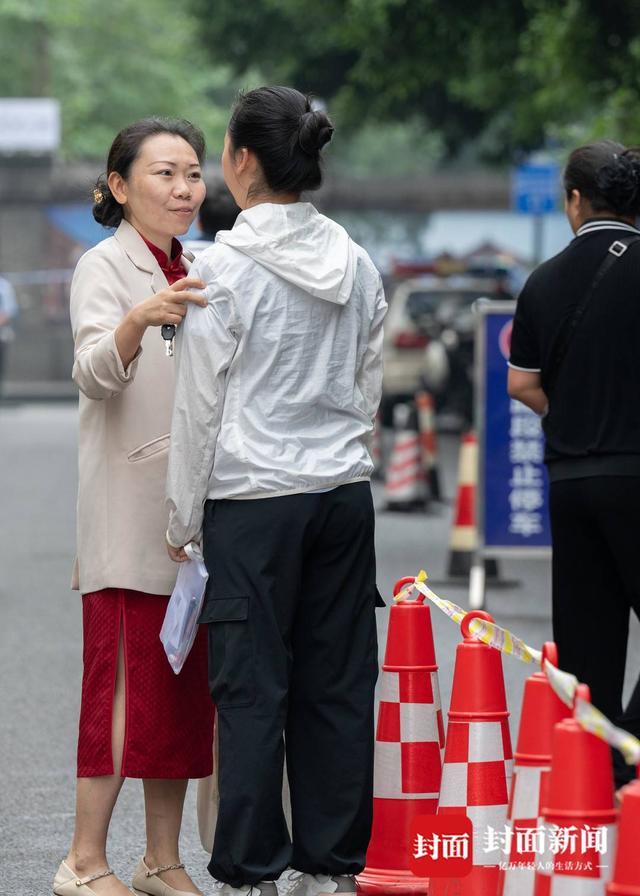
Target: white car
{"x": 419, "y": 311}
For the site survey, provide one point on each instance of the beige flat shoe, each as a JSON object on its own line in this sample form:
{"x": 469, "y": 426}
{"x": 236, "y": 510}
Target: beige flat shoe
{"x": 147, "y": 883}
{"x": 67, "y": 883}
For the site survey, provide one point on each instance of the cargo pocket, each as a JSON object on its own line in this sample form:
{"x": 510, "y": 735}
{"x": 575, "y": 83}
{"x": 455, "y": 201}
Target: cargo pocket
{"x": 231, "y": 656}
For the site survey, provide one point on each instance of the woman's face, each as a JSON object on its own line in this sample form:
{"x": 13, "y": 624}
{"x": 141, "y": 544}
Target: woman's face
{"x": 164, "y": 189}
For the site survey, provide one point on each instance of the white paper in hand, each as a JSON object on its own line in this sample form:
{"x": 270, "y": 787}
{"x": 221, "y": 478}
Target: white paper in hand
{"x": 180, "y": 624}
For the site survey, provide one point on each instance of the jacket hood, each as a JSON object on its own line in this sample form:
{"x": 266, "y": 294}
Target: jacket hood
{"x": 298, "y": 244}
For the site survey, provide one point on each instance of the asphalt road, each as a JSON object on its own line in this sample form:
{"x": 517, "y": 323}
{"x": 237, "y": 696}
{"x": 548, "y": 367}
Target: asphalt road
{"x": 40, "y": 643}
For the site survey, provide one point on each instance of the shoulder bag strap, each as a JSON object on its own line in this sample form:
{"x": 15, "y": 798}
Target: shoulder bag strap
{"x": 615, "y": 251}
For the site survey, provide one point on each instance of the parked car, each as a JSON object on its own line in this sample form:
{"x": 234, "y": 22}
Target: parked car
{"x": 509, "y": 274}
{"x": 429, "y": 339}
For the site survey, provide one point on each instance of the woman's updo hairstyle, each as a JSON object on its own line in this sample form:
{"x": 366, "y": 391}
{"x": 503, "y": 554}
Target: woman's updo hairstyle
{"x": 607, "y": 175}
{"x": 285, "y": 132}
{"x": 125, "y": 150}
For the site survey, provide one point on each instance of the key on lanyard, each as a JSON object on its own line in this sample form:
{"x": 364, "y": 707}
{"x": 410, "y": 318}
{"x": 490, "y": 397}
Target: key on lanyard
{"x": 168, "y": 332}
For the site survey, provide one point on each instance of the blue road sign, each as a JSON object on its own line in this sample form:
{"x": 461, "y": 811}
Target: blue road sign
{"x": 513, "y": 489}
{"x": 535, "y": 188}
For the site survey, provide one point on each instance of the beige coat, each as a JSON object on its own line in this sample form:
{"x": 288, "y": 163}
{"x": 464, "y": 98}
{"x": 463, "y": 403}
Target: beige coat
{"x": 125, "y": 420}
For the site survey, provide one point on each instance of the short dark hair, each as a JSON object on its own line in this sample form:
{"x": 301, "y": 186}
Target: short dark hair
{"x": 217, "y": 213}
{"x": 125, "y": 150}
{"x": 280, "y": 125}
{"x": 607, "y": 175}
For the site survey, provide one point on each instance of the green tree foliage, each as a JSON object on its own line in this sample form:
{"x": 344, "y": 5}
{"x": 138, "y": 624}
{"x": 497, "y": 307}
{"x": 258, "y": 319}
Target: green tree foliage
{"x": 501, "y": 74}
{"x": 110, "y": 63}
{"x": 410, "y": 80}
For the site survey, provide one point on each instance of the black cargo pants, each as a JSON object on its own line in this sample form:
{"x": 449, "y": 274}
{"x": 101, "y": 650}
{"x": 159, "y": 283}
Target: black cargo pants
{"x": 292, "y": 650}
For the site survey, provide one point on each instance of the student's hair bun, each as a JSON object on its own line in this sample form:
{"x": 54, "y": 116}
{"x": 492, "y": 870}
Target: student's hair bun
{"x": 619, "y": 183}
{"x": 315, "y": 131}
{"x": 280, "y": 125}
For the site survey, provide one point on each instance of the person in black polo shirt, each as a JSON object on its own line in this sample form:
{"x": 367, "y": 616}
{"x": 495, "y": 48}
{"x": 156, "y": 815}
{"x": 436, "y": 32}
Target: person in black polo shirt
{"x": 575, "y": 360}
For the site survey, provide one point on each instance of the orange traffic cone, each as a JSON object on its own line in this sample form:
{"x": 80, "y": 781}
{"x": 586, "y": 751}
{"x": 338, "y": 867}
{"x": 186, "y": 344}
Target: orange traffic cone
{"x": 408, "y": 751}
{"x": 544, "y": 863}
{"x": 429, "y": 443}
{"x": 463, "y": 542}
{"x": 405, "y": 484}
{"x": 541, "y": 711}
{"x": 464, "y": 535}
{"x": 579, "y": 814}
{"x": 626, "y": 871}
{"x": 478, "y": 762}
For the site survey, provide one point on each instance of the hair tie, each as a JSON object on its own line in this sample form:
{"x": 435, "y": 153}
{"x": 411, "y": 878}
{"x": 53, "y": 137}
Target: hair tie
{"x": 98, "y": 196}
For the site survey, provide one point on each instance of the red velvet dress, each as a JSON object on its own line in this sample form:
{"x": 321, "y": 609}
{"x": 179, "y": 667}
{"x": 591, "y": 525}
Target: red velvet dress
{"x": 168, "y": 717}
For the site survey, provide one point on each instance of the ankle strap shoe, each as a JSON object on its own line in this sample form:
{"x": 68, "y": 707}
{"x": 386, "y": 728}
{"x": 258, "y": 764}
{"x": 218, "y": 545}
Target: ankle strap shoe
{"x": 67, "y": 883}
{"x": 147, "y": 883}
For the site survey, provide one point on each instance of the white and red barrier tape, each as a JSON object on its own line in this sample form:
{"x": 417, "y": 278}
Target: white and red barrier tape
{"x": 563, "y": 683}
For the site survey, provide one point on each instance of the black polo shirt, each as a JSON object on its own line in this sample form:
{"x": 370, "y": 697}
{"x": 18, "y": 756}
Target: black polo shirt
{"x": 593, "y": 424}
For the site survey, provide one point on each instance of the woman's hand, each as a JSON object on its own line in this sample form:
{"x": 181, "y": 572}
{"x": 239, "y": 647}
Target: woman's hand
{"x": 178, "y": 555}
{"x": 168, "y": 306}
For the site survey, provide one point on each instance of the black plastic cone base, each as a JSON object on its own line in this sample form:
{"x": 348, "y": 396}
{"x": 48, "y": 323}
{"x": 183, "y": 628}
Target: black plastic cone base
{"x": 460, "y": 563}
{"x": 417, "y": 505}
{"x": 434, "y": 485}
{"x": 459, "y": 570}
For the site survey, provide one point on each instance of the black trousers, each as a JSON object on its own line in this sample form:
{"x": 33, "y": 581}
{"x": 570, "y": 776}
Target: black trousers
{"x": 596, "y": 582}
{"x": 292, "y": 651}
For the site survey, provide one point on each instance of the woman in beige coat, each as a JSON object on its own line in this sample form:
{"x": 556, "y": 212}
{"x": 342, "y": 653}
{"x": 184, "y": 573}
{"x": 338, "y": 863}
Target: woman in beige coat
{"x": 137, "y": 718}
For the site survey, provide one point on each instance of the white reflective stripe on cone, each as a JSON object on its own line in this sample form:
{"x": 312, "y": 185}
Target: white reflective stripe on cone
{"x": 418, "y": 723}
{"x": 405, "y": 445}
{"x": 468, "y": 470}
{"x": 483, "y": 817}
{"x": 485, "y": 742}
{"x": 508, "y": 771}
{"x": 405, "y": 476}
{"x": 464, "y": 538}
{"x": 526, "y": 791}
{"x": 435, "y": 685}
{"x": 390, "y": 687}
{"x": 453, "y": 789}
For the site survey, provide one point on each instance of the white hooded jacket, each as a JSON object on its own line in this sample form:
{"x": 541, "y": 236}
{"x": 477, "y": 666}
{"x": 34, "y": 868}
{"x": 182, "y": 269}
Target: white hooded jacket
{"x": 279, "y": 378}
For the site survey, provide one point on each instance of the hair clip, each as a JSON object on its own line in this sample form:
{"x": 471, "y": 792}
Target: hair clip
{"x": 98, "y": 196}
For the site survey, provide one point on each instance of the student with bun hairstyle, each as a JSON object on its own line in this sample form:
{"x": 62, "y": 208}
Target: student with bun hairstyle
{"x": 278, "y": 384}
{"x": 137, "y": 719}
{"x": 575, "y": 361}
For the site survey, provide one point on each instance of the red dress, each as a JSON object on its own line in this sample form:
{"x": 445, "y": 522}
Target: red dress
{"x": 168, "y": 717}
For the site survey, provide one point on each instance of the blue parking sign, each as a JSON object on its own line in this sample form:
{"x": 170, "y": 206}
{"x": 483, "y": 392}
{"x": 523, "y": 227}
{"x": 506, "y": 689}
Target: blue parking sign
{"x": 535, "y": 188}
